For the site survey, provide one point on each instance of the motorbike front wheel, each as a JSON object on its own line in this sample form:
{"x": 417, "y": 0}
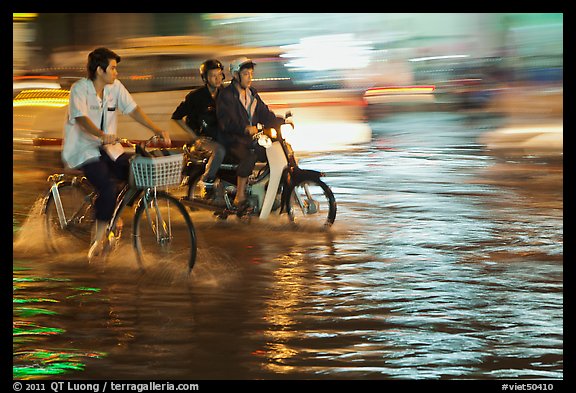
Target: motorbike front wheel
{"x": 311, "y": 202}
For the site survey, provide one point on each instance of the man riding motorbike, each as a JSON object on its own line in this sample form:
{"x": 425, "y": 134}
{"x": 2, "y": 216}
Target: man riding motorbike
{"x": 239, "y": 109}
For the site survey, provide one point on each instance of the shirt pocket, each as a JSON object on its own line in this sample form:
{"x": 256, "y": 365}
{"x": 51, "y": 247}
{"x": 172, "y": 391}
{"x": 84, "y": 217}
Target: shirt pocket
{"x": 110, "y": 117}
{"x": 111, "y": 104}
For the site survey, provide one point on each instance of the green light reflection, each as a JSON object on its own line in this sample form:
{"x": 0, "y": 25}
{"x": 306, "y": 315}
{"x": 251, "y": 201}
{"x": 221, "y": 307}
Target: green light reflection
{"x": 30, "y": 362}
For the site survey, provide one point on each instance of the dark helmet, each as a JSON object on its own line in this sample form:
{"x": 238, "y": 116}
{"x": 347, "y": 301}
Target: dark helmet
{"x": 211, "y": 64}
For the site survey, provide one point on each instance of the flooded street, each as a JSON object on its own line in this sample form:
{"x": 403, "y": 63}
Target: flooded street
{"x": 445, "y": 262}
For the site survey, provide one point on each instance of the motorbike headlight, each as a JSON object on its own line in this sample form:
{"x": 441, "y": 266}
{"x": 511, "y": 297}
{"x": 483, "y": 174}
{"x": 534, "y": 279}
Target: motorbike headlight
{"x": 287, "y": 130}
{"x": 273, "y": 133}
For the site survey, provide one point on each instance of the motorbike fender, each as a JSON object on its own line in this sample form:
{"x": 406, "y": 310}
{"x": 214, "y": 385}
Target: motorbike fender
{"x": 277, "y": 162}
{"x": 294, "y": 177}
{"x": 299, "y": 175}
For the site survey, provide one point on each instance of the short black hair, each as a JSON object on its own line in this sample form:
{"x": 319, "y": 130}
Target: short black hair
{"x": 100, "y": 57}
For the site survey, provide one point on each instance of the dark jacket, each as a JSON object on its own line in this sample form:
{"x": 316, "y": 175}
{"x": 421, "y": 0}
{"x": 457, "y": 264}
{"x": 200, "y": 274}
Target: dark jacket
{"x": 233, "y": 118}
{"x": 198, "y": 108}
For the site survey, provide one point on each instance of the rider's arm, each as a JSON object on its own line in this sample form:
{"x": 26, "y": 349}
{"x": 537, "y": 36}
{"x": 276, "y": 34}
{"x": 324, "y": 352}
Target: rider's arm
{"x": 185, "y": 127}
{"x": 141, "y": 117}
{"x": 89, "y": 127}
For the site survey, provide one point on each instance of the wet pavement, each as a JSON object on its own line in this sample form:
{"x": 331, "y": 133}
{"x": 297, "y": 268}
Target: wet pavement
{"x": 445, "y": 262}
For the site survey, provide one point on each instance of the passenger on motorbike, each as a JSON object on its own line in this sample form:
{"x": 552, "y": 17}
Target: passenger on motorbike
{"x": 199, "y": 109}
{"x": 239, "y": 109}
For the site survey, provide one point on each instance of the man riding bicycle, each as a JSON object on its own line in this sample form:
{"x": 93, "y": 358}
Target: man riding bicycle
{"x": 91, "y": 124}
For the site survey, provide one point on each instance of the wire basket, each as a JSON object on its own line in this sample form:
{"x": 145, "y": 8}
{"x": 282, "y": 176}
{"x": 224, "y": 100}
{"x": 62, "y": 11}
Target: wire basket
{"x": 163, "y": 171}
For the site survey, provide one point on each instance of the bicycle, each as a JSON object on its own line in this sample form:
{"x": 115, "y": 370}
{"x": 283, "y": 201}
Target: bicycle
{"x": 161, "y": 227}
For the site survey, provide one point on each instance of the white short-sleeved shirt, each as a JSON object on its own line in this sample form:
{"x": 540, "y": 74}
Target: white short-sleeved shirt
{"x": 80, "y": 147}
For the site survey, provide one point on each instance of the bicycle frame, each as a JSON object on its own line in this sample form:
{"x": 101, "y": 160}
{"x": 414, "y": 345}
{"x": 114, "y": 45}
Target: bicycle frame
{"x": 162, "y": 233}
{"x": 57, "y": 179}
{"x": 69, "y": 195}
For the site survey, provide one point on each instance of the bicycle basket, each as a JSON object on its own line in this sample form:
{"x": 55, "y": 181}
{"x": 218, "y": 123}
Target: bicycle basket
{"x": 163, "y": 171}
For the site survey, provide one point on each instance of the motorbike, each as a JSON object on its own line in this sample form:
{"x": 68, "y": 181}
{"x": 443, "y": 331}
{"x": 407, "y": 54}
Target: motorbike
{"x": 276, "y": 187}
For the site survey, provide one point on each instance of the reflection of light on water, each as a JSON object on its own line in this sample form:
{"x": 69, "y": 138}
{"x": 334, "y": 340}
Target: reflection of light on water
{"x": 27, "y": 330}
{"x": 46, "y": 363}
{"x": 280, "y": 310}
{"x": 328, "y": 136}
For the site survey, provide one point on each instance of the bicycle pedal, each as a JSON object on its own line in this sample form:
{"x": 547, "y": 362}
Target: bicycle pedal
{"x": 96, "y": 251}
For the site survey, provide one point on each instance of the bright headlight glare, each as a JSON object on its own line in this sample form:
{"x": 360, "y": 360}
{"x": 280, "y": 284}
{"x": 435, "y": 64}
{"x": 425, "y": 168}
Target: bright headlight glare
{"x": 273, "y": 133}
{"x": 287, "y": 130}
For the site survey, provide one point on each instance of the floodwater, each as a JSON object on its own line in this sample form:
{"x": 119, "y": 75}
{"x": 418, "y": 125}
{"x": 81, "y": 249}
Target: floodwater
{"x": 445, "y": 262}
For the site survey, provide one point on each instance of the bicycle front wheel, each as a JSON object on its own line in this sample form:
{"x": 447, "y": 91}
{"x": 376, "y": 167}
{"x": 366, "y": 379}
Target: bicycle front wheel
{"x": 163, "y": 232}
{"x": 72, "y": 231}
{"x": 311, "y": 202}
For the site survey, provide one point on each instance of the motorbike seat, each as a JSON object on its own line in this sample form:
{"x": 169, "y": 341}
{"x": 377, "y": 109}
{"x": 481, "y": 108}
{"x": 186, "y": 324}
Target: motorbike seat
{"x": 230, "y": 159}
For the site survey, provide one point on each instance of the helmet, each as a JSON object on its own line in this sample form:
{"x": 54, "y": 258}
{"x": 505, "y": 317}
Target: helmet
{"x": 242, "y": 62}
{"x": 208, "y": 65}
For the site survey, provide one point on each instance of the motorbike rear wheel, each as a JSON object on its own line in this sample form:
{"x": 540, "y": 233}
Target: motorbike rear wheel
{"x": 311, "y": 202}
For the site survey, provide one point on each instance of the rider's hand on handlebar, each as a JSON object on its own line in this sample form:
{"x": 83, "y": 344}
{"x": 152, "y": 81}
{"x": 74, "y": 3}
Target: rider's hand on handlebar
{"x": 251, "y": 130}
{"x": 165, "y": 137}
{"x": 108, "y": 139}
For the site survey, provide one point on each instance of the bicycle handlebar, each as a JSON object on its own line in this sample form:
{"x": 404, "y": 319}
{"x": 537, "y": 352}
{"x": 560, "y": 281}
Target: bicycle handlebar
{"x": 140, "y": 147}
{"x": 147, "y": 142}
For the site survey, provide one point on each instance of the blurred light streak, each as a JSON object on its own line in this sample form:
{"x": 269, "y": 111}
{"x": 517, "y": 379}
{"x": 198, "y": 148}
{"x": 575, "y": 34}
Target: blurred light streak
{"x": 45, "y": 363}
{"x": 22, "y": 77}
{"x": 33, "y": 300}
{"x": 23, "y": 17}
{"x": 328, "y": 136}
{"x": 40, "y": 363}
{"x": 30, "y": 311}
{"x": 42, "y": 97}
{"x": 269, "y": 79}
{"x": 328, "y": 52}
{"x": 36, "y": 85}
{"x": 438, "y": 58}
{"x": 36, "y": 331}
{"x": 400, "y": 90}
{"x": 140, "y": 77}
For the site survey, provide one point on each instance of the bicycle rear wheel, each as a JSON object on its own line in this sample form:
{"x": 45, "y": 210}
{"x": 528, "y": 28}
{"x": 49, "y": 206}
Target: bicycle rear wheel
{"x": 76, "y": 233}
{"x": 163, "y": 232}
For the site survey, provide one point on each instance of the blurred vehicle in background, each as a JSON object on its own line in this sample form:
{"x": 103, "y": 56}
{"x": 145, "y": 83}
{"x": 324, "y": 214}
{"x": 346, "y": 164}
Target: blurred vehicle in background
{"x": 434, "y": 83}
{"x": 461, "y": 82}
{"x": 160, "y": 71}
{"x": 533, "y": 125}
{"x": 393, "y": 99}
{"x": 543, "y": 140}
